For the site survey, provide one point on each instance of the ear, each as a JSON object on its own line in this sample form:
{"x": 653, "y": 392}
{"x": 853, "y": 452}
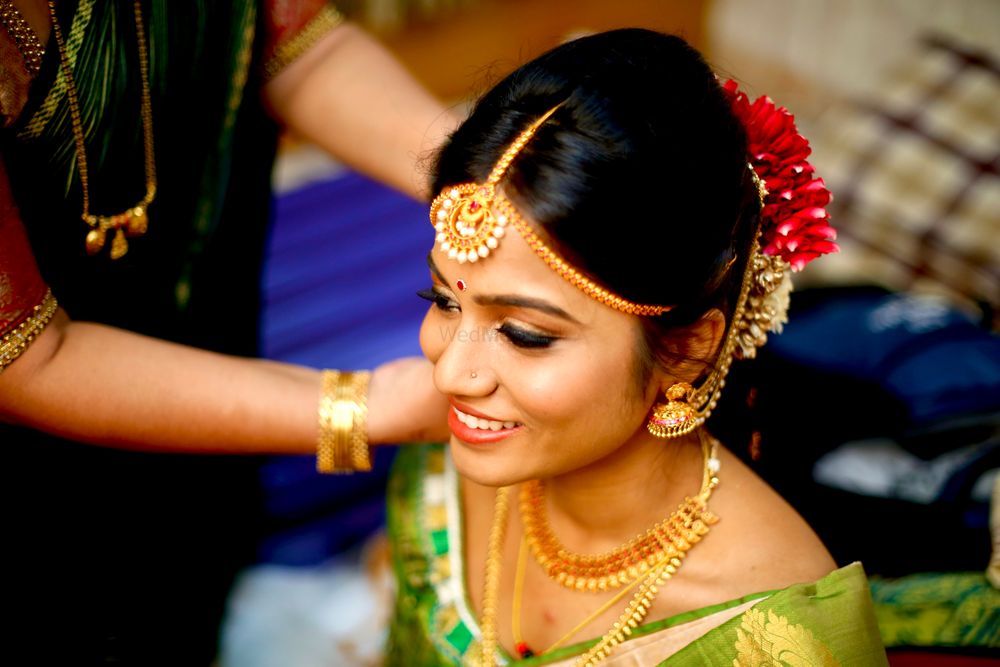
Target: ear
{"x": 698, "y": 348}
{"x": 706, "y": 336}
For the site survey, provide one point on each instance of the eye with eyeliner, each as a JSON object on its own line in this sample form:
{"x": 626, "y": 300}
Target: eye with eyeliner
{"x": 525, "y": 339}
{"x": 517, "y": 336}
{"x": 440, "y": 300}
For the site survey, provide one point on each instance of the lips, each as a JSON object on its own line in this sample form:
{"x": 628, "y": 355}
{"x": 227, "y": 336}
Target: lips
{"x": 474, "y": 427}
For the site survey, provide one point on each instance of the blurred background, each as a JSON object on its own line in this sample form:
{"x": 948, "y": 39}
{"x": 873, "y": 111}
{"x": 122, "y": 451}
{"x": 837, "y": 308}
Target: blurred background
{"x": 876, "y": 413}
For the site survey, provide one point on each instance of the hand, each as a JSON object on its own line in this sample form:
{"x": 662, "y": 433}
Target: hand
{"x": 404, "y": 406}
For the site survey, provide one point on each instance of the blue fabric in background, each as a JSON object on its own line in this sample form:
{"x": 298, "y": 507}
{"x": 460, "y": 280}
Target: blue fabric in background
{"x": 344, "y": 260}
{"x": 929, "y": 355}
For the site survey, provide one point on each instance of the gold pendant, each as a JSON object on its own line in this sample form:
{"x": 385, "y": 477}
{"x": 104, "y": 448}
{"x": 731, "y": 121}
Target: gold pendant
{"x": 138, "y": 222}
{"x": 119, "y": 246}
{"x": 133, "y": 222}
{"x": 95, "y": 240}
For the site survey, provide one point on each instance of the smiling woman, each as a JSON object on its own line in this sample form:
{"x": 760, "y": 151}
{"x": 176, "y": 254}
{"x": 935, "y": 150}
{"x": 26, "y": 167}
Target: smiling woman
{"x": 537, "y": 367}
{"x": 614, "y": 227}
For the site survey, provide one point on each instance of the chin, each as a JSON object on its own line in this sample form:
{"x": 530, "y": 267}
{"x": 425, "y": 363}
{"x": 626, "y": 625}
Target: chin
{"x": 492, "y": 466}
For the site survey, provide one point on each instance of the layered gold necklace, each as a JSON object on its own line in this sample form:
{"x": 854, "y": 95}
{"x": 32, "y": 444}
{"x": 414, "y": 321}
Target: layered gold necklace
{"x": 133, "y": 221}
{"x": 643, "y": 564}
{"x": 600, "y": 572}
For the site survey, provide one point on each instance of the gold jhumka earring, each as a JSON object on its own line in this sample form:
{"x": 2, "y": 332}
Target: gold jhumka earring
{"x": 675, "y": 417}
{"x": 761, "y": 308}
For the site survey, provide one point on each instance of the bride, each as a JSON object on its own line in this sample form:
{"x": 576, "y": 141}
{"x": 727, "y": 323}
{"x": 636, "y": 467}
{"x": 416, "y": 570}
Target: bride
{"x": 604, "y": 251}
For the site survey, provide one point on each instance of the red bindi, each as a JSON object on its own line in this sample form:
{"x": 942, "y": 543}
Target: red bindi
{"x": 460, "y": 284}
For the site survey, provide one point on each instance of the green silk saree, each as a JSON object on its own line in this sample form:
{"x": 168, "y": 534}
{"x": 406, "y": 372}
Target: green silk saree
{"x": 828, "y": 622}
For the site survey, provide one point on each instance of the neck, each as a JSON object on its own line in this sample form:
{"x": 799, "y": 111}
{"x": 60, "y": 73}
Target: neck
{"x": 610, "y": 501}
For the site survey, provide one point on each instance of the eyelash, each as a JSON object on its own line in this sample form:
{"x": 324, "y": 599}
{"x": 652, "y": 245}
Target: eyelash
{"x": 525, "y": 339}
{"x": 517, "y": 336}
{"x": 440, "y": 301}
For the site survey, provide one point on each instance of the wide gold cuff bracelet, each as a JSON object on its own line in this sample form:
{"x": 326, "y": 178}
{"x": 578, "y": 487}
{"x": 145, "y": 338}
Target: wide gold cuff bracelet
{"x": 343, "y": 423}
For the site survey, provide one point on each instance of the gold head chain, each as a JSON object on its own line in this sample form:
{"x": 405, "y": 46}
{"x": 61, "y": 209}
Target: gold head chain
{"x": 472, "y": 218}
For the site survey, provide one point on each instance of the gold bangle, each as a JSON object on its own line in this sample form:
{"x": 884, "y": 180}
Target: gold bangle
{"x": 343, "y": 423}
{"x": 326, "y": 19}
{"x": 14, "y": 343}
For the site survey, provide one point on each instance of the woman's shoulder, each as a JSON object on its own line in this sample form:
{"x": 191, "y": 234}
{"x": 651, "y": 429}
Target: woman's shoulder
{"x": 760, "y": 542}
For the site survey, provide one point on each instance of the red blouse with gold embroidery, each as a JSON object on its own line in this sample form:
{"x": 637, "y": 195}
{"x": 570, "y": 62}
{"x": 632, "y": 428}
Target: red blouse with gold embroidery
{"x": 26, "y": 303}
{"x": 21, "y": 286}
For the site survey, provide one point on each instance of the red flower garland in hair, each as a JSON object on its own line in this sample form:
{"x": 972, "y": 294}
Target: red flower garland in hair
{"x": 794, "y": 223}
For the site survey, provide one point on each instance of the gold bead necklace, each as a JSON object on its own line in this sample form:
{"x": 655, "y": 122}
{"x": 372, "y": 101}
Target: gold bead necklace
{"x": 601, "y": 572}
{"x": 491, "y": 576}
{"x": 660, "y": 567}
{"x": 134, "y": 220}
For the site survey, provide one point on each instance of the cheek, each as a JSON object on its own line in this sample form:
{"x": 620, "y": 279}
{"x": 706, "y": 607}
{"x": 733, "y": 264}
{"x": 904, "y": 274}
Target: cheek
{"x": 566, "y": 392}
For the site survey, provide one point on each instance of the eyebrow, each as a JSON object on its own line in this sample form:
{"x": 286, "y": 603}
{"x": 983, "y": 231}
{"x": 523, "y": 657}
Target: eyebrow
{"x": 515, "y": 301}
{"x": 509, "y": 300}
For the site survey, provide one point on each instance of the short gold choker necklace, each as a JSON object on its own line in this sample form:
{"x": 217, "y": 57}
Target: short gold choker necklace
{"x": 134, "y": 220}
{"x": 600, "y": 572}
{"x": 673, "y": 538}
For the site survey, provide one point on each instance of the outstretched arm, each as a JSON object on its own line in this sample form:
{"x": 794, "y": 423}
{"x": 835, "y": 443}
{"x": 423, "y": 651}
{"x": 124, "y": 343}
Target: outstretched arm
{"x": 105, "y": 386}
{"x": 348, "y": 95}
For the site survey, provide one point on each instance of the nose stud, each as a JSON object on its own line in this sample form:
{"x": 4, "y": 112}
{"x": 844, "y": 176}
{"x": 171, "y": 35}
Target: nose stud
{"x": 474, "y": 375}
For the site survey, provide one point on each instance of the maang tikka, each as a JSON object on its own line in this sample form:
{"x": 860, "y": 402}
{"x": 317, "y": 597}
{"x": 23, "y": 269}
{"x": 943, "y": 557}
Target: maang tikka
{"x": 471, "y": 219}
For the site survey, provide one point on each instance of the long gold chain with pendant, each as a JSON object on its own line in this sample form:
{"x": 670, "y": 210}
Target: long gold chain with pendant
{"x": 133, "y": 221}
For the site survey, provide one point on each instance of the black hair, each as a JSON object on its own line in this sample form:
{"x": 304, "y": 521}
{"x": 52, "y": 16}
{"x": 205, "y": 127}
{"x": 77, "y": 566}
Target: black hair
{"x": 639, "y": 178}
